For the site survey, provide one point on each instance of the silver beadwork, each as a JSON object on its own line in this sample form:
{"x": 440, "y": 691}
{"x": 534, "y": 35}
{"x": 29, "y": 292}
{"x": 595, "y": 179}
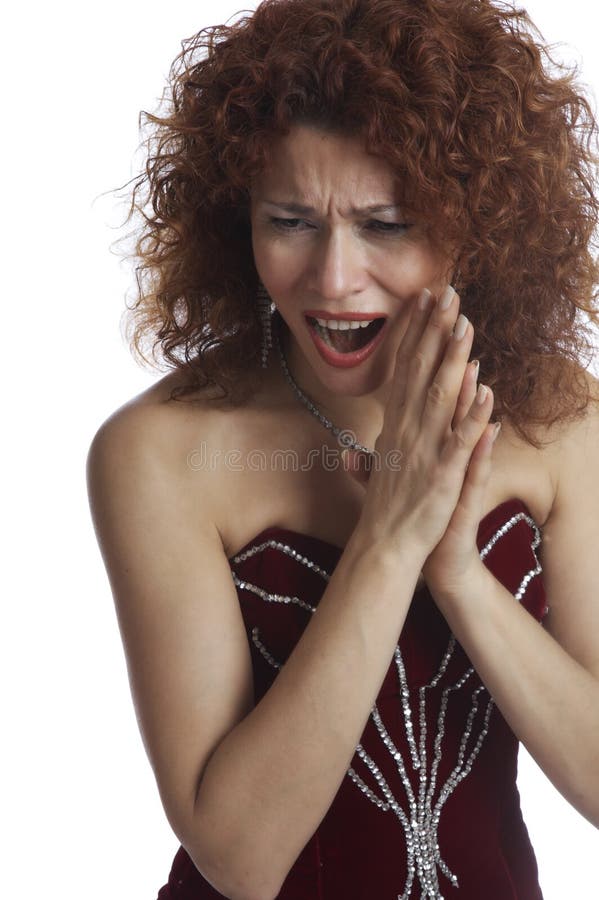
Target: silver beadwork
{"x": 266, "y": 308}
{"x": 420, "y": 820}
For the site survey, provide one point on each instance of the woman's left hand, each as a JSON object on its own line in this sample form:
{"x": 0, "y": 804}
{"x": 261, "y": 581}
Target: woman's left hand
{"x": 455, "y": 561}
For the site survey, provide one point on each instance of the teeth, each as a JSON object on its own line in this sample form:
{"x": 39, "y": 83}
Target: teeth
{"x": 342, "y": 325}
{"x": 325, "y": 336}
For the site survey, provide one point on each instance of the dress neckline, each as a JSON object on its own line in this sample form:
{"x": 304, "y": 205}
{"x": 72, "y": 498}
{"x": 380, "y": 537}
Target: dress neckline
{"x": 513, "y": 504}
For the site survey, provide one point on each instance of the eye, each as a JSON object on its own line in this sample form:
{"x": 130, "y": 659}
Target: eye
{"x": 285, "y": 224}
{"x": 387, "y": 227}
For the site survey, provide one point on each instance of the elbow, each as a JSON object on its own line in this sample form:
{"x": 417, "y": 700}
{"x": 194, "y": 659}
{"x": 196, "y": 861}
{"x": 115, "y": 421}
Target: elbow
{"x": 234, "y": 886}
{"x": 239, "y": 860}
{"x": 228, "y": 872}
{"x": 252, "y": 895}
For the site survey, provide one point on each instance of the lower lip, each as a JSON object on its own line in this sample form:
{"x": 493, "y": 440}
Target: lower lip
{"x": 346, "y": 360}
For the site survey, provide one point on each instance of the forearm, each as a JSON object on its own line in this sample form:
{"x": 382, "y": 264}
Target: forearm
{"x": 549, "y": 700}
{"x": 272, "y": 779}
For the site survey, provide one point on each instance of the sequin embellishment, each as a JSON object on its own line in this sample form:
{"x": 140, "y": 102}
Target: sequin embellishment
{"x": 420, "y": 820}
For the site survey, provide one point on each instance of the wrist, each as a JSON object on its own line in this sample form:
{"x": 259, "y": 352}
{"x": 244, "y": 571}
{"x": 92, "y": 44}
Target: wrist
{"x": 463, "y": 591}
{"x": 401, "y": 555}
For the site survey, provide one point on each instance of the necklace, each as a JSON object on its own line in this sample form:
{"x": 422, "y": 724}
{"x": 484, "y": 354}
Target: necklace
{"x": 343, "y": 435}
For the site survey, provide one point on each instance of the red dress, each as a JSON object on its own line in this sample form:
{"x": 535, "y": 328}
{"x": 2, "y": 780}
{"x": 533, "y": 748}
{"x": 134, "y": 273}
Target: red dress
{"x": 418, "y": 815}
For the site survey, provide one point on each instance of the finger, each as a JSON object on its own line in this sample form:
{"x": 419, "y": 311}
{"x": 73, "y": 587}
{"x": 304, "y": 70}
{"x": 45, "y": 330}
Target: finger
{"x": 429, "y": 353}
{"x": 421, "y": 312}
{"x": 467, "y": 393}
{"x": 442, "y": 394}
{"x": 457, "y": 451}
{"x": 469, "y": 509}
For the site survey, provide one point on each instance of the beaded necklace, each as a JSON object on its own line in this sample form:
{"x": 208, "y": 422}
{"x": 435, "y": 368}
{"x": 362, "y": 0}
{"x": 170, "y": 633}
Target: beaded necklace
{"x": 342, "y": 434}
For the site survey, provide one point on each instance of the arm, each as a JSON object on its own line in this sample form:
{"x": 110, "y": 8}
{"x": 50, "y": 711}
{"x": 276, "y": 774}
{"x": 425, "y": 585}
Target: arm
{"x": 545, "y": 681}
{"x": 243, "y": 788}
{"x": 272, "y": 779}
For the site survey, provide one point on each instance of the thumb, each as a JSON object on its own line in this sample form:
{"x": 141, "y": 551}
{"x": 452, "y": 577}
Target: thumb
{"x": 357, "y": 463}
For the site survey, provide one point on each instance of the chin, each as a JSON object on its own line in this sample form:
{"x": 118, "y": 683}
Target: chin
{"x": 367, "y": 378}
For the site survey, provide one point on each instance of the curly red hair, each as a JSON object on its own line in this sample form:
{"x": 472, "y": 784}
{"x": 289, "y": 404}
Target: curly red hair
{"x": 496, "y": 151}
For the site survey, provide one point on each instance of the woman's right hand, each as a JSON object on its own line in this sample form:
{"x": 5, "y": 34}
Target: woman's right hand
{"x": 412, "y": 493}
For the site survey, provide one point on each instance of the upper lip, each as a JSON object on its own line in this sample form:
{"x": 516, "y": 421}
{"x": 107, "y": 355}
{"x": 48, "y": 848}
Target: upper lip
{"x": 347, "y": 316}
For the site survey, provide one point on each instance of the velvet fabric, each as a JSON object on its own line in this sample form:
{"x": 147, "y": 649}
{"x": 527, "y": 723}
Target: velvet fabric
{"x": 358, "y": 852}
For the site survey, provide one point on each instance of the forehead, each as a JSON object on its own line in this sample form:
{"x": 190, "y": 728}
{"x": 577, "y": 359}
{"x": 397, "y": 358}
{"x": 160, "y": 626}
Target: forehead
{"x": 313, "y": 165}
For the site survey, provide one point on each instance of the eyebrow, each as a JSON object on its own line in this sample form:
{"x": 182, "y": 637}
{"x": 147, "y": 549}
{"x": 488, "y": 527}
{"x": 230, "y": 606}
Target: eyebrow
{"x": 309, "y": 211}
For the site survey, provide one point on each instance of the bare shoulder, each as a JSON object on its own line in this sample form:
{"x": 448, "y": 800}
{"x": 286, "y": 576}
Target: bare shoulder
{"x": 204, "y": 452}
{"x": 542, "y": 475}
{"x": 573, "y": 440}
{"x": 155, "y": 407}
{"x": 151, "y": 439}
{"x": 138, "y": 478}
{"x": 591, "y": 413}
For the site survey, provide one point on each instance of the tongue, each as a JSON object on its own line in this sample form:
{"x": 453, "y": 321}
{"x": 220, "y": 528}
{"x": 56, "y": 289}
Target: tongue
{"x": 354, "y": 338}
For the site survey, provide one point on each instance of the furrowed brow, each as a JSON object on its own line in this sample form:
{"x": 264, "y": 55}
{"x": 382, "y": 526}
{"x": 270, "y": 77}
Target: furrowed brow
{"x": 302, "y": 210}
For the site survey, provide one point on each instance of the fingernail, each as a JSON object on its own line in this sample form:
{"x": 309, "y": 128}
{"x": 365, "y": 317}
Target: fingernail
{"x": 475, "y": 363}
{"x": 481, "y": 394}
{"x": 461, "y": 327}
{"x": 423, "y": 299}
{"x": 496, "y": 431}
{"x": 447, "y": 297}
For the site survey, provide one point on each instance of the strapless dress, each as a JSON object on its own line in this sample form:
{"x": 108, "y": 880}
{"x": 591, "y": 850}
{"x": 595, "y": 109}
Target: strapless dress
{"x": 429, "y": 807}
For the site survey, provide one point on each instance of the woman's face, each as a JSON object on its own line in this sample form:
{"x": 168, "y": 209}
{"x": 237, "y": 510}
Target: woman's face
{"x": 334, "y": 257}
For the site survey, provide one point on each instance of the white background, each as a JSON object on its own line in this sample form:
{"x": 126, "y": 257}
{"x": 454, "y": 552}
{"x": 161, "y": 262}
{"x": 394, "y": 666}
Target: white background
{"x": 81, "y": 810}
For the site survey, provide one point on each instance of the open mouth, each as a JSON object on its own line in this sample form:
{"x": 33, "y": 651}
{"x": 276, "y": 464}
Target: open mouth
{"x": 347, "y": 340}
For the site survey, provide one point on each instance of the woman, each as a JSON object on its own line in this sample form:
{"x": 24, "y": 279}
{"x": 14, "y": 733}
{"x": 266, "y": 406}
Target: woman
{"x": 333, "y": 660}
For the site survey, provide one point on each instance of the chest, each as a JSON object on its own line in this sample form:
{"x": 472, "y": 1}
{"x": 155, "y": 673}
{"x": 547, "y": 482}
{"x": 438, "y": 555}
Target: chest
{"x": 296, "y": 481}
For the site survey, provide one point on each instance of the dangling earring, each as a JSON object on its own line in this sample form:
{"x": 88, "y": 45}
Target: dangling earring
{"x": 266, "y": 308}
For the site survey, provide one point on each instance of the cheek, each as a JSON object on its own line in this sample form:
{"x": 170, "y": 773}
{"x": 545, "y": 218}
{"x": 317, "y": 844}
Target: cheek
{"x": 278, "y": 265}
{"x": 413, "y": 268}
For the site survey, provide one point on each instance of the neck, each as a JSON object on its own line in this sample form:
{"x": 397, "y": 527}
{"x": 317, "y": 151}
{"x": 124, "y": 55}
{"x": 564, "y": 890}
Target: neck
{"x": 362, "y": 414}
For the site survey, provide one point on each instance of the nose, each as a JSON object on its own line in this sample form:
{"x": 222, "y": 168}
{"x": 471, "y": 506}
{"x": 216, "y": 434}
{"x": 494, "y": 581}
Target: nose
{"x": 337, "y": 268}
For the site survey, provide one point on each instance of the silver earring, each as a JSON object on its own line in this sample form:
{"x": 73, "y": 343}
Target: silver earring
{"x": 266, "y": 308}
